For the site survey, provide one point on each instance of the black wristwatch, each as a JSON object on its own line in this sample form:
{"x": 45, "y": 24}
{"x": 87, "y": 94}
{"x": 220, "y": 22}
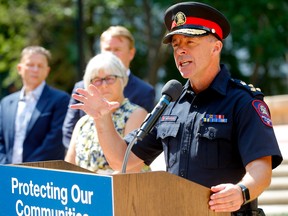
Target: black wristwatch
{"x": 245, "y": 193}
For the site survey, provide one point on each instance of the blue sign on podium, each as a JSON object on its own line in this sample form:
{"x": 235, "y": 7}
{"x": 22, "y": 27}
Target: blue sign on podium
{"x": 26, "y": 191}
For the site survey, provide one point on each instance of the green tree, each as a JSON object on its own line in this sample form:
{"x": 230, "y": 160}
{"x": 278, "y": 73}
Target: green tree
{"x": 259, "y": 39}
{"x": 256, "y": 50}
{"x": 47, "y": 23}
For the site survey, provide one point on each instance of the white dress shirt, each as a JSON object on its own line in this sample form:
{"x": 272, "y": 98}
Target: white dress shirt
{"x": 26, "y": 106}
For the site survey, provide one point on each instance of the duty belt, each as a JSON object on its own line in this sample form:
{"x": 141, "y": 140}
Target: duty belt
{"x": 258, "y": 212}
{"x": 250, "y": 209}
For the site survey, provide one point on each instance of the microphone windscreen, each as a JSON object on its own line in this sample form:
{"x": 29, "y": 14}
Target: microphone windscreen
{"x": 172, "y": 88}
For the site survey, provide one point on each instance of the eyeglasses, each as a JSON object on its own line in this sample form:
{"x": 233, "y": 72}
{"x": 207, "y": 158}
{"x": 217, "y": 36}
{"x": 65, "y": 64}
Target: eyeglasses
{"x": 109, "y": 80}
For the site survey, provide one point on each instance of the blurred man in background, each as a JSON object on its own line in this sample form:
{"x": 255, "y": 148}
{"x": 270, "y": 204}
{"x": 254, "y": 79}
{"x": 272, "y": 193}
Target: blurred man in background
{"x": 31, "y": 119}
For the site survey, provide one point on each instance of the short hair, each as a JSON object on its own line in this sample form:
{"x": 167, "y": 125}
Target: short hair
{"x": 107, "y": 62}
{"x": 118, "y": 31}
{"x": 38, "y": 50}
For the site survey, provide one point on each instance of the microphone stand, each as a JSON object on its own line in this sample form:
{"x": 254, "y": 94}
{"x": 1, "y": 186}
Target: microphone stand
{"x": 127, "y": 153}
{"x": 170, "y": 91}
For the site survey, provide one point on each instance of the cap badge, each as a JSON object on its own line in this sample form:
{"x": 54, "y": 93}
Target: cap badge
{"x": 180, "y": 18}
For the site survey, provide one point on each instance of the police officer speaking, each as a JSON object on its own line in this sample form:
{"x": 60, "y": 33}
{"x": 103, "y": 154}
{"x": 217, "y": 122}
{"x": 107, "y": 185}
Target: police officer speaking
{"x": 218, "y": 133}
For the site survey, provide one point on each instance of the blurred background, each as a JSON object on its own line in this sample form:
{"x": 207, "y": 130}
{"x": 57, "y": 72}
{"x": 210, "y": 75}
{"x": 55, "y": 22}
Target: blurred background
{"x": 256, "y": 51}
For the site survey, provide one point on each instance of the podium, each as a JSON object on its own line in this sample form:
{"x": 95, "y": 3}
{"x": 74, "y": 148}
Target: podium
{"x": 60, "y": 188}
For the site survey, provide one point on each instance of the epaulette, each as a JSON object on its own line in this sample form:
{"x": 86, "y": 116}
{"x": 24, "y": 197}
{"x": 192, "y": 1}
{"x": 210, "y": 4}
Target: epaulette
{"x": 255, "y": 92}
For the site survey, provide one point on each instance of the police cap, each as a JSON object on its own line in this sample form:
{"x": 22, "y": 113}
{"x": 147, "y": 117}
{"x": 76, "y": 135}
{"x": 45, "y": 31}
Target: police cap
{"x": 195, "y": 19}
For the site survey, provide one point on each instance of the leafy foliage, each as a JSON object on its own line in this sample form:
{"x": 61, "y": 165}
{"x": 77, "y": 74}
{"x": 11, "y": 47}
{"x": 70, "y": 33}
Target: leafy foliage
{"x": 256, "y": 50}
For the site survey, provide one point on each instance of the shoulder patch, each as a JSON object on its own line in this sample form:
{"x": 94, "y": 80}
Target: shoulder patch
{"x": 255, "y": 92}
{"x": 262, "y": 111}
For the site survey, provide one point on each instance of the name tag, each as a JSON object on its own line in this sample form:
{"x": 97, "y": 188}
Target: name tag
{"x": 169, "y": 118}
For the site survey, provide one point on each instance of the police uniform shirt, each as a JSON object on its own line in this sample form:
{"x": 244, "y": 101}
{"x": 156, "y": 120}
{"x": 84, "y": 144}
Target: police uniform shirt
{"x": 210, "y": 137}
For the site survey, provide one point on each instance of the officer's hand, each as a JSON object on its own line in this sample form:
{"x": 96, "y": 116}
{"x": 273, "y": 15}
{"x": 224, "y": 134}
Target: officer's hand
{"x": 225, "y": 198}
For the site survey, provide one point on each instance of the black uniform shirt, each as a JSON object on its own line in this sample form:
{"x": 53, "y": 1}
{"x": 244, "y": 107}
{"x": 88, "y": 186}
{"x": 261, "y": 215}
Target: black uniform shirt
{"x": 210, "y": 137}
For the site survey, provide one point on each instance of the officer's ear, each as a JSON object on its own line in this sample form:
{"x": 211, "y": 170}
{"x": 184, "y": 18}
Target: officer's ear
{"x": 217, "y": 47}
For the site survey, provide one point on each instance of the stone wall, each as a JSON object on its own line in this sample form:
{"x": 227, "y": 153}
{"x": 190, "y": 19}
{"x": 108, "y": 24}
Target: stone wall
{"x": 279, "y": 108}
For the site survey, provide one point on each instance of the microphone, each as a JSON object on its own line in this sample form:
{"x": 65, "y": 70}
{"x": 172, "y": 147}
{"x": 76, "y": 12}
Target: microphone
{"x": 170, "y": 92}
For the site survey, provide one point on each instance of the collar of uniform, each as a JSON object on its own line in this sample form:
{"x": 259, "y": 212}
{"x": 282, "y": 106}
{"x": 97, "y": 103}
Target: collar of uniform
{"x": 221, "y": 80}
{"x": 219, "y": 83}
{"x": 187, "y": 87}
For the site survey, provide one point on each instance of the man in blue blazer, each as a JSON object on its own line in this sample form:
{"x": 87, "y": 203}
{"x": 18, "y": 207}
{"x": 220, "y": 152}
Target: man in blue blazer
{"x": 118, "y": 40}
{"x": 31, "y": 119}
